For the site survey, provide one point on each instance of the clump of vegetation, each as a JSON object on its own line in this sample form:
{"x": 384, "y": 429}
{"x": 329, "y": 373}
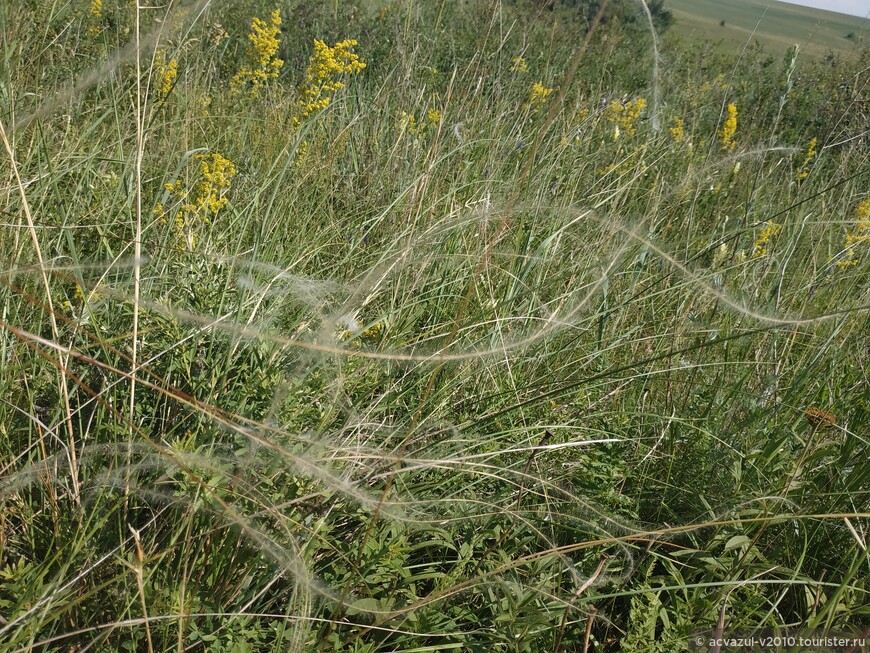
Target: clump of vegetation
{"x": 464, "y": 333}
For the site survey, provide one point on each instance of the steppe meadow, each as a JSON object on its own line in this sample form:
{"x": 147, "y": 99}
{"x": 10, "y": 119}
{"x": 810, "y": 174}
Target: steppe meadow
{"x": 446, "y": 325}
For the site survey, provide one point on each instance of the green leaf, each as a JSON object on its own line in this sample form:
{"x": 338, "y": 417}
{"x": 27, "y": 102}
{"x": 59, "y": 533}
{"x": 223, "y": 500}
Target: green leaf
{"x": 368, "y": 605}
{"x": 736, "y": 542}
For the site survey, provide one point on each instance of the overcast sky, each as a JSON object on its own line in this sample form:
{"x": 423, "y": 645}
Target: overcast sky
{"x": 854, "y": 7}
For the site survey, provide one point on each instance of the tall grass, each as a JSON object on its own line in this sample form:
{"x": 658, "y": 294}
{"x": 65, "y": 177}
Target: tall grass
{"x": 516, "y": 375}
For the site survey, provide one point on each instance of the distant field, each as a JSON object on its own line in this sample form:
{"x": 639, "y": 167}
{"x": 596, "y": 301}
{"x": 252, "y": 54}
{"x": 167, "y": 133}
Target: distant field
{"x": 776, "y": 24}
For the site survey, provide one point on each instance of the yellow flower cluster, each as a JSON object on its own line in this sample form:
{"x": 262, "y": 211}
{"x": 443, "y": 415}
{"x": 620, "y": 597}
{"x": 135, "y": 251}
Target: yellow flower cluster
{"x": 264, "y": 65}
{"x": 729, "y": 128}
{"x": 301, "y": 154}
{"x": 95, "y": 14}
{"x": 678, "y": 133}
{"x": 322, "y": 78}
{"x": 538, "y": 95}
{"x": 209, "y": 197}
{"x": 217, "y": 176}
{"x": 519, "y": 65}
{"x": 79, "y": 298}
{"x": 859, "y": 233}
{"x": 625, "y": 165}
{"x": 167, "y": 73}
{"x": 624, "y": 116}
{"x": 804, "y": 170}
{"x": 374, "y": 332}
{"x": 407, "y": 122}
{"x": 770, "y": 230}
{"x": 372, "y": 335}
{"x": 718, "y": 84}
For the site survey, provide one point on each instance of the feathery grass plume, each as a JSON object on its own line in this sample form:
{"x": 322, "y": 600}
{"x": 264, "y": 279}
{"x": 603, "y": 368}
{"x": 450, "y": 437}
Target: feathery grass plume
{"x": 809, "y": 157}
{"x": 771, "y": 229}
{"x": 729, "y": 128}
{"x": 323, "y": 76}
{"x": 263, "y": 64}
{"x": 857, "y": 235}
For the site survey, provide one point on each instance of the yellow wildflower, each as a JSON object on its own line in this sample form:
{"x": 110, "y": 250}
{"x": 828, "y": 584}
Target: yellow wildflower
{"x": 624, "y": 116}
{"x": 95, "y": 15}
{"x": 374, "y": 332}
{"x": 408, "y": 122}
{"x": 325, "y": 68}
{"x": 760, "y": 248}
{"x": 804, "y": 170}
{"x": 204, "y": 105}
{"x": 301, "y": 154}
{"x": 857, "y": 234}
{"x": 729, "y": 128}
{"x": 167, "y": 72}
{"x": 264, "y": 65}
{"x": 677, "y": 131}
{"x": 519, "y": 65}
{"x": 538, "y": 95}
{"x": 216, "y": 175}
{"x": 79, "y": 295}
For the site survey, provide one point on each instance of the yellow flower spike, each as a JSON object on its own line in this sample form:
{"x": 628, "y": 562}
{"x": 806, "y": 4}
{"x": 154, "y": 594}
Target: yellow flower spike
{"x": 759, "y": 249}
{"x": 729, "y": 128}
{"x": 538, "y": 95}
{"x": 167, "y": 73}
{"x": 322, "y": 77}
{"x": 374, "y": 332}
{"x": 264, "y": 65}
{"x": 857, "y": 235}
{"x": 95, "y": 17}
{"x": 624, "y": 116}
{"x": 678, "y": 134}
{"x": 407, "y": 122}
{"x": 208, "y": 198}
{"x": 519, "y": 65}
{"x": 804, "y": 170}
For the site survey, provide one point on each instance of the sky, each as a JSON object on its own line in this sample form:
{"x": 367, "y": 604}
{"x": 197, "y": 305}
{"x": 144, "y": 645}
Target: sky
{"x": 853, "y": 7}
